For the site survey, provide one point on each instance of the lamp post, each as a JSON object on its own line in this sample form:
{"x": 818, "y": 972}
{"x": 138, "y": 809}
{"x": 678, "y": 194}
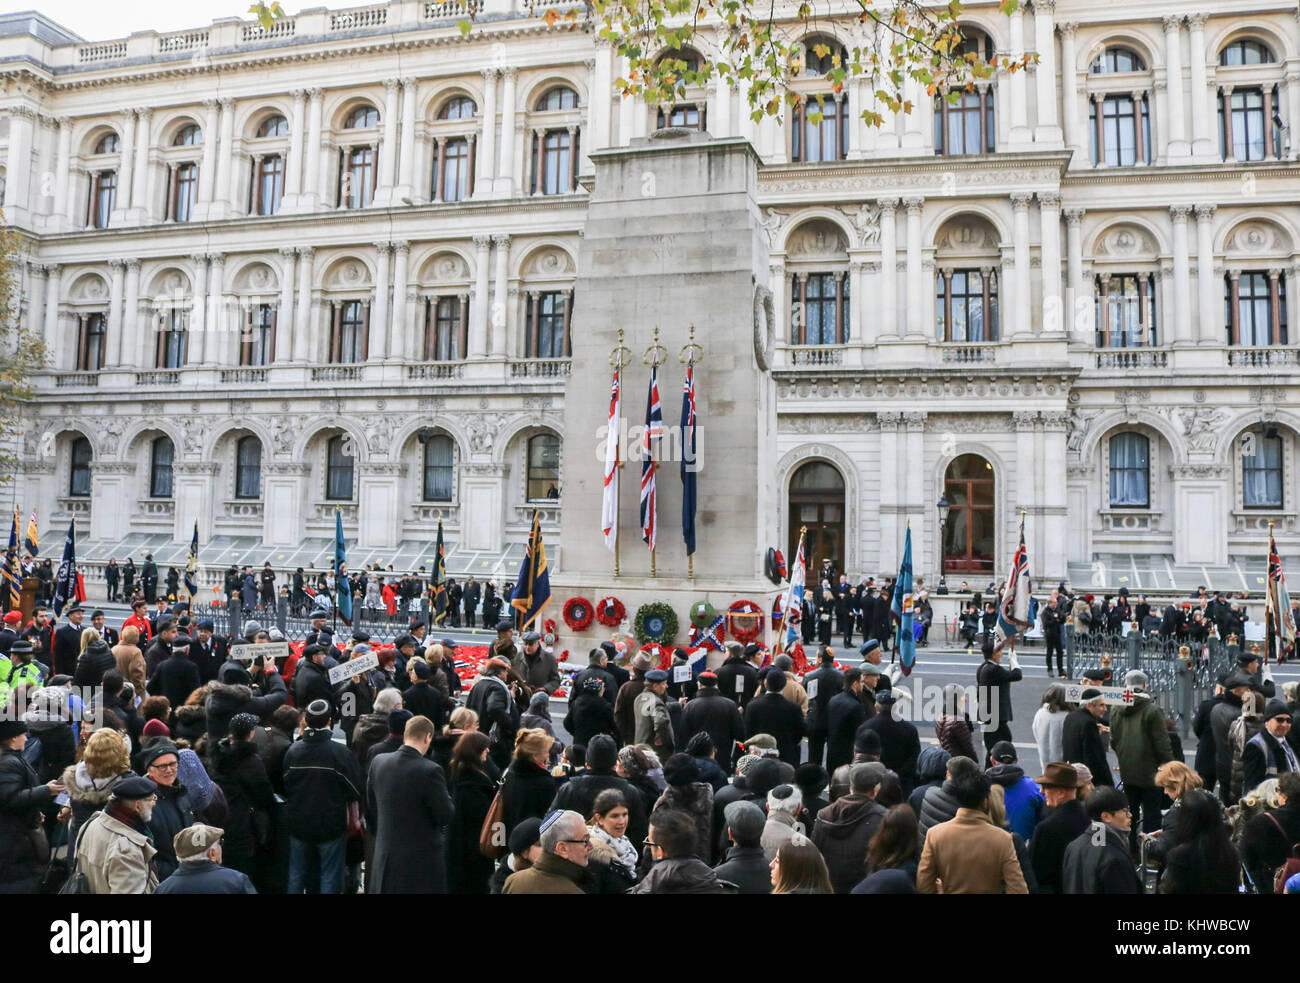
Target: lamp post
{"x": 943, "y": 508}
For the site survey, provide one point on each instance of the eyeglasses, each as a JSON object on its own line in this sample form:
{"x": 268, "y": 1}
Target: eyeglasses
{"x": 1283, "y": 720}
{"x": 649, "y": 843}
{"x": 168, "y": 767}
{"x": 586, "y": 841}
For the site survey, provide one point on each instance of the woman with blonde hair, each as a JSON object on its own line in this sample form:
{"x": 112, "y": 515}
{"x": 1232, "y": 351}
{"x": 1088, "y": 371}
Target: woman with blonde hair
{"x": 88, "y": 635}
{"x": 528, "y": 787}
{"x": 798, "y": 868}
{"x": 105, "y": 760}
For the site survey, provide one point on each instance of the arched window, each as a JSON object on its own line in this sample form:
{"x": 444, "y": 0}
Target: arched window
{"x": 248, "y": 468}
{"x": 338, "y": 469}
{"x": 821, "y": 55}
{"x": 1130, "y": 471}
{"x": 687, "y": 59}
{"x": 108, "y": 144}
{"x": 543, "y": 468}
{"x": 189, "y": 136}
{"x": 438, "y": 457}
{"x": 560, "y": 97}
{"x": 970, "y": 532}
{"x": 79, "y": 473}
{"x": 1261, "y": 474}
{"x": 274, "y": 126}
{"x": 160, "y": 467}
{"x": 817, "y": 504}
{"x": 362, "y": 118}
{"x": 1245, "y": 51}
{"x": 457, "y": 107}
{"x": 1117, "y": 59}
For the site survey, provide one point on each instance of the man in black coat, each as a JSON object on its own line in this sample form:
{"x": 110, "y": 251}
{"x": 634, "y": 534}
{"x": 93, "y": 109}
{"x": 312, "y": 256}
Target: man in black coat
{"x": 844, "y": 715}
{"x": 716, "y": 715}
{"x": 882, "y": 624}
{"x": 579, "y": 793}
{"x": 498, "y": 714}
{"x": 822, "y": 684}
{"x": 67, "y": 642}
{"x": 161, "y": 646}
{"x": 409, "y": 810}
{"x": 737, "y": 676}
{"x": 311, "y": 679}
{"x": 1267, "y": 754}
{"x": 469, "y": 597}
{"x": 597, "y": 659}
{"x": 422, "y": 699}
{"x": 1081, "y": 739}
{"x": 208, "y": 652}
{"x": 900, "y": 742}
{"x": 1064, "y": 821}
{"x": 260, "y": 693}
{"x": 993, "y": 688}
{"x": 177, "y": 677}
{"x": 149, "y": 578}
{"x": 320, "y": 778}
{"x": 746, "y": 866}
{"x": 1098, "y": 860}
{"x": 771, "y": 713}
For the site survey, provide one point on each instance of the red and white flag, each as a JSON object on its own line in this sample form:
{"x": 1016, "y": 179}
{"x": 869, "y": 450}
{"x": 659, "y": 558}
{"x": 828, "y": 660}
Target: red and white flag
{"x": 609, "y": 504}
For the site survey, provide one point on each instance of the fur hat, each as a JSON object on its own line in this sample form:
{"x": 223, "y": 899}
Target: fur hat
{"x": 681, "y": 769}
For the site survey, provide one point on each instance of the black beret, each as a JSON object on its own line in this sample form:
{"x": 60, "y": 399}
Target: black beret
{"x": 134, "y": 787}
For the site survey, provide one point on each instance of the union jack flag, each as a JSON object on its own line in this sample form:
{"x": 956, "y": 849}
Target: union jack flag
{"x": 654, "y": 429}
{"x": 1278, "y": 599}
{"x": 1016, "y": 612}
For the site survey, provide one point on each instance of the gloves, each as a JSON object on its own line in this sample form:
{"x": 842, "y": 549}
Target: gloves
{"x": 1265, "y": 673}
{"x": 1013, "y": 662}
{"x": 895, "y": 674}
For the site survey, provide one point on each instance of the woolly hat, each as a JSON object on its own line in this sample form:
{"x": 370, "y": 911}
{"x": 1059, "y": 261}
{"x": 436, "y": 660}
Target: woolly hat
{"x": 527, "y": 834}
{"x": 1276, "y": 708}
{"x": 681, "y": 769}
{"x": 397, "y": 720}
{"x": 156, "y": 728}
{"x": 602, "y": 752}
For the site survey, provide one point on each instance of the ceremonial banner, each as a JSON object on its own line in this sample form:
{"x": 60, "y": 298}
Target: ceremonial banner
{"x": 533, "y": 588}
{"x": 342, "y": 588}
{"x": 439, "y": 580}
{"x": 792, "y": 617}
{"x": 65, "y": 581}
{"x": 904, "y": 638}
{"x": 609, "y": 501}
{"x": 192, "y": 565}
{"x": 32, "y": 543}
{"x": 688, "y": 458}
{"x": 1016, "y": 611}
{"x": 654, "y": 429}
{"x": 13, "y": 571}
{"x": 1278, "y": 602}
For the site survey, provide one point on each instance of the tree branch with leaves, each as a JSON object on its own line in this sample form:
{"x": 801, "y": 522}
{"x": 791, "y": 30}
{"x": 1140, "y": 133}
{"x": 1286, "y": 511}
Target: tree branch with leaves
{"x": 22, "y": 352}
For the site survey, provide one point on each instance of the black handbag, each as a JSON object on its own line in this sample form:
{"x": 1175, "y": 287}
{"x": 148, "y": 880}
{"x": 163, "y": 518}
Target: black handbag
{"x": 77, "y": 882}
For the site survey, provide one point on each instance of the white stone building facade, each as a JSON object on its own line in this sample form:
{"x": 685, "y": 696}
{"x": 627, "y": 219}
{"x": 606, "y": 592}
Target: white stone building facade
{"x": 332, "y": 265}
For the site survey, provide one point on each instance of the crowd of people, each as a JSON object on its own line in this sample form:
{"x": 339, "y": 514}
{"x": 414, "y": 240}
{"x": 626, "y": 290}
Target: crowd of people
{"x": 145, "y": 759}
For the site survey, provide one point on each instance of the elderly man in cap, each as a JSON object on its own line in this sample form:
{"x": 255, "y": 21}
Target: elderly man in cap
{"x": 311, "y": 679}
{"x": 562, "y": 866}
{"x": 115, "y": 848}
{"x": 1261, "y": 677}
{"x": 493, "y": 699}
{"x": 537, "y": 665}
{"x": 176, "y": 676}
{"x": 1064, "y": 820}
{"x": 1082, "y": 735}
{"x": 870, "y": 652}
{"x": 746, "y": 865}
{"x": 1141, "y": 744}
{"x": 207, "y": 651}
{"x": 198, "y": 849}
{"x": 1238, "y": 692}
{"x": 597, "y": 659}
{"x": 653, "y": 725}
{"x": 67, "y": 642}
{"x": 1268, "y": 754}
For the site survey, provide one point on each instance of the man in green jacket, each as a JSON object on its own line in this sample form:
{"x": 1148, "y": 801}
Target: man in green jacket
{"x": 562, "y": 867}
{"x": 1141, "y": 743}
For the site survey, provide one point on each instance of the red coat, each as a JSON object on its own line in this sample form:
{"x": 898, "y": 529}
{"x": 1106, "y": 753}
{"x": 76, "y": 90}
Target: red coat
{"x": 390, "y": 599}
{"x": 141, "y": 624}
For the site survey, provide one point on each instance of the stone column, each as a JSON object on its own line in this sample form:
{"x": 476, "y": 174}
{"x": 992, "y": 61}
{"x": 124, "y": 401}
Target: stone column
{"x": 888, "y": 508}
{"x": 890, "y": 326}
{"x": 1182, "y": 276}
{"x": 1174, "y": 118}
{"x": 478, "y": 335}
{"x": 218, "y": 328}
{"x": 1079, "y": 297}
{"x": 1047, "y": 130}
{"x": 915, "y": 303}
{"x": 1020, "y": 132}
{"x": 499, "y": 299}
{"x": 627, "y": 106}
{"x": 858, "y": 328}
{"x": 207, "y": 169}
{"x": 487, "y": 151}
{"x": 198, "y": 326}
{"x": 311, "y": 190}
{"x": 223, "y": 191}
{"x": 379, "y": 346}
{"x": 1053, "y": 495}
{"x": 22, "y": 122}
{"x": 1024, "y": 421}
{"x": 130, "y": 348}
{"x": 1209, "y": 299}
{"x": 113, "y": 337}
{"x": 302, "y": 326}
{"x": 398, "y": 337}
{"x": 406, "y": 160}
{"x": 506, "y": 174}
{"x": 602, "y": 85}
{"x": 293, "y": 159}
{"x": 141, "y": 193}
{"x": 61, "y": 168}
{"x": 284, "y": 332}
{"x": 50, "y": 334}
{"x": 126, "y": 168}
{"x": 1070, "y": 96}
{"x": 1203, "y": 115}
{"x": 1020, "y": 300}
{"x": 1053, "y": 313}
{"x": 388, "y": 146}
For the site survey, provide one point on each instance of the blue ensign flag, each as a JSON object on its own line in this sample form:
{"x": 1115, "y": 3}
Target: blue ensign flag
{"x": 905, "y": 641}
{"x": 342, "y": 587}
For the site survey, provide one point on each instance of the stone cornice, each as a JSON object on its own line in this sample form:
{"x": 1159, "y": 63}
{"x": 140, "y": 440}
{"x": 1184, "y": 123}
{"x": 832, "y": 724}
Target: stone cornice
{"x": 876, "y": 173}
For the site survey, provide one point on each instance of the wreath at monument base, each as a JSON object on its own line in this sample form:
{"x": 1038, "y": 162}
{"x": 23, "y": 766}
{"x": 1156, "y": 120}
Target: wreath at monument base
{"x": 655, "y": 622}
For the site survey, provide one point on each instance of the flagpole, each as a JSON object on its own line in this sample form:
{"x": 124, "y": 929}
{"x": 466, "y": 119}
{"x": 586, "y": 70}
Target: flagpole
{"x": 653, "y": 357}
{"x": 689, "y": 354}
{"x": 1270, "y": 598}
{"x": 619, "y": 358}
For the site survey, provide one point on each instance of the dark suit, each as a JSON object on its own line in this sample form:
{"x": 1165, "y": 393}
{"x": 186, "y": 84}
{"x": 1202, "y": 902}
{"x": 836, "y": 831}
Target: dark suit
{"x": 469, "y": 598}
{"x": 408, "y": 807}
{"x": 67, "y": 649}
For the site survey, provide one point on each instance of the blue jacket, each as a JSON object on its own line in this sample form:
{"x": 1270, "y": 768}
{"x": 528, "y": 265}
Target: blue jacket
{"x": 205, "y": 877}
{"x": 1024, "y": 799}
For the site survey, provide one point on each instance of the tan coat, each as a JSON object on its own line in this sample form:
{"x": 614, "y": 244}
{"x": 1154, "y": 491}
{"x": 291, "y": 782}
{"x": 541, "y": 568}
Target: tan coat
{"x": 970, "y": 856}
{"x": 115, "y": 858}
{"x": 131, "y": 664}
{"x": 796, "y": 694}
{"x": 551, "y": 874}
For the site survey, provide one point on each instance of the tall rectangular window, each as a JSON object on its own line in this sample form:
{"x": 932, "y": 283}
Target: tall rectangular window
{"x": 966, "y": 306}
{"x": 446, "y": 330}
{"x": 814, "y": 140}
{"x": 1256, "y": 313}
{"x": 545, "y": 335}
{"x": 438, "y": 454}
{"x": 103, "y": 198}
{"x": 1130, "y": 471}
{"x": 357, "y": 177}
{"x": 172, "y": 340}
{"x": 258, "y": 344}
{"x": 269, "y": 185}
{"x": 338, "y": 469}
{"x": 555, "y": 162}
{"x": 352, "y": 332}
{"x": 1125, "y": 131}
{"x": 185, "y": 192}
{"x": 824, "y": 297}
{"x": 1261, "y": 474}
{"x": 966, "y": 127}
{"x": 1125, "y": 308}
{"x": 90, "y": 344}
{"x": 455, "y": 170}
{"x": 1249, "y": 125}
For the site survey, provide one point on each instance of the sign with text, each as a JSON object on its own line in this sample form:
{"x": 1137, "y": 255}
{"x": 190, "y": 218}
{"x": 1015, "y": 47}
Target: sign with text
{"x": 1112, "y": 696}
{"x": 362, "y": 663}
{"x": 249, "y": 652}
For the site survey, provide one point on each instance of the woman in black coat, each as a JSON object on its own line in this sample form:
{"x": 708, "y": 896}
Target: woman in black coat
{"x": 1204, "y": 860}
{"x": 1266, "y": 839}
{"x": 22, "y": 798}
{"x": 472, "y": 791}
{"x": 173, "y": 582}
{"x": 825, "y": 617}
{"x": 241, "y": 773}
{"x": 528, "y": 788}
{"x": 590, "y": 713}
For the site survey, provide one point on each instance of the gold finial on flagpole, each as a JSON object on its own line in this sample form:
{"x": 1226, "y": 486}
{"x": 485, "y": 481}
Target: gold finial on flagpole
{"x": 690, "y": 352}
{"x": 654, "y": 355}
